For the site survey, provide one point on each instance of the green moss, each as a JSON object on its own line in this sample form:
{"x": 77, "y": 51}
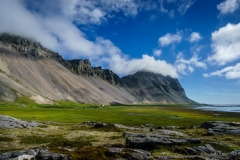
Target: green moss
{"x": 89, "y": 153}
{"x": 55, "y": 141}
{"x": 33, "y": 139}
{"x": 222, "y": 147}
{"x": 116, "y": 137}
{"x": 228, "y": 139}
{"x": 108, "y": 128}
{"x": 95, "y": 153}
{"x": 9, "y": 150}
{"x": 25, "y": 100}
{"x": 5, "y": 139}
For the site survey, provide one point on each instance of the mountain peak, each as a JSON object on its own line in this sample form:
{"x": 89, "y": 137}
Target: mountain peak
{"x": 39, "y": 72}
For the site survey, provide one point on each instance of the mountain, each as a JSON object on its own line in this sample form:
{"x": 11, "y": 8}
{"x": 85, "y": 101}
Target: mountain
{"x": 29, "y": 69}
{"x": 150, "y": 87}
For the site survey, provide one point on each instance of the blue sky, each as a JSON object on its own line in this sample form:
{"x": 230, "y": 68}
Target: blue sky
{"x": 196, "y": 41}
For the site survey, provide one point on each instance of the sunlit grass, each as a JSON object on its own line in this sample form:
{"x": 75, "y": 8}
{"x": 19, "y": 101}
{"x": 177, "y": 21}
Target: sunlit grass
{"x": 72, "y": 112}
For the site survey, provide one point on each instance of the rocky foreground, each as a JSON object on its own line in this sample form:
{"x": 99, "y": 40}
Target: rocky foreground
{"x": 10, "y": 122}
{"x": 139, "y": 143}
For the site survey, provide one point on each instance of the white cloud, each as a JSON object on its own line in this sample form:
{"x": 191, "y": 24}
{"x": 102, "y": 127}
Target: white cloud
{"x": 169, "y": 7}
{"x": 225, "y": 44}
{"x": 195, "y": 37}
{"x": 24, "y": 23}
{"x": 163, "y": 10}
{"x": 94, "y": 16}
{"x": 185, "y": 67}
{"x": 85, "y": 11}
{"x": 123, "y": 65}
{"x": 128, "y": 66}
{"x": 184, "y": 5}
{"x": 170, "y": 39}
{"x": 52, "y": 23}
{"x": 228, "y": 6}
{"x": 231, "y": 72}
{"x": 157, "y": 52}
{"x": 129, "y": 7}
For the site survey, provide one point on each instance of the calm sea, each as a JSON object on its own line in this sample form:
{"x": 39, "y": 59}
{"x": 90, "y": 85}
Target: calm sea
{"x": 219, "y": 107}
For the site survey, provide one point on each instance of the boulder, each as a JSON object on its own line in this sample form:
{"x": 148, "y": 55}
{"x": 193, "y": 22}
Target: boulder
{"x": 151, "y": 141}
{"x": 234, "y": 154}
{"x": 100, "y": 125}
{"x": 159, "y": 127}
{"x": 193, "y": 127}
{"x": 170, "y": 132}
{"x": 46, "y": 155}
{"x": 90, "y": 123}
{"x": 182, "y": 127}
{"x": 148, "y": 125}
{"x": 220, "y": 128}
{"x": 169, "y": 127}
{"x": 206, "y": 150}
{"x": 120, "y": 126}
{"x": 195, "y": 157}
{"x": 233, "y": 131}
{"x": 34, "y": 154}
{"x": 10, "y": 122}
{"x": 131, "y": 154}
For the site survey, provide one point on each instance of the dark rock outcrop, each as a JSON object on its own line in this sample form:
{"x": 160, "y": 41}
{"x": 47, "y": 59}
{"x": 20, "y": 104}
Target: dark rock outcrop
{"x": 100, "y": 125}
{"x": 234, "y": 154}
{"x": 206, "y": 150}
{"x": 84, "y": 67}
{"x": 152, "y": 87}
{"x": 28, "y": 47}
{"x": 151, "y": 141}
{"x": 131, "y": 154}
{"x": 34, "y": 154}
{"x": 80, "y": 66}
{"x": 194, "y": 157}
{"x": 220, "y": 128}
{"x": 90, "y": 123}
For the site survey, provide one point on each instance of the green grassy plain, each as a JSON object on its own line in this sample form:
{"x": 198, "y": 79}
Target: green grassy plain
{"x": 86, "y": 140}
{"x": 132, "y": 115}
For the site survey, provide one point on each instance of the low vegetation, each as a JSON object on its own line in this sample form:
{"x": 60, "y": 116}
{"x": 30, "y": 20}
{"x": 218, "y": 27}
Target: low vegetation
{"x": 67, "y": 131}
{"x": 5, "y": 139}
{"x": 132, "y": 115}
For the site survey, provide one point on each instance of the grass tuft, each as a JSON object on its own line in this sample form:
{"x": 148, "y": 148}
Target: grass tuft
{"x": 25, "y": 100}
{"x": 55, "y": 141}
{"x": 5, "y": 139}
{"x": 109, "y": 128}
{"x": 222, "y": 147}
{"x": 90, "y": 153}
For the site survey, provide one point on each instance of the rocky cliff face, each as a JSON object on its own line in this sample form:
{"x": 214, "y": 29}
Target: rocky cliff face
{"x": 33, "y": 70}
{"x": 152, "y": 87}
{"x": 27, "y": 47}
{"x": 32, "y": 48}
{"x": 84, "y": 67}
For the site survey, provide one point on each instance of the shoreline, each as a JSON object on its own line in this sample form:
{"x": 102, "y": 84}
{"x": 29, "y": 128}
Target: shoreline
{"x": 218, "y": 108}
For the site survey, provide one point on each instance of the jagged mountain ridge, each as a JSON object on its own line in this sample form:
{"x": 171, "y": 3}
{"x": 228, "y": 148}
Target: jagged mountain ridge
{"x": 30, "y": 69}
{"x": 151, "y": 87}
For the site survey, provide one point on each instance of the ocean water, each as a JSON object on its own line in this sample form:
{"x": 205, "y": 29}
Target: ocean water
{"x": 220, "y": 108}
